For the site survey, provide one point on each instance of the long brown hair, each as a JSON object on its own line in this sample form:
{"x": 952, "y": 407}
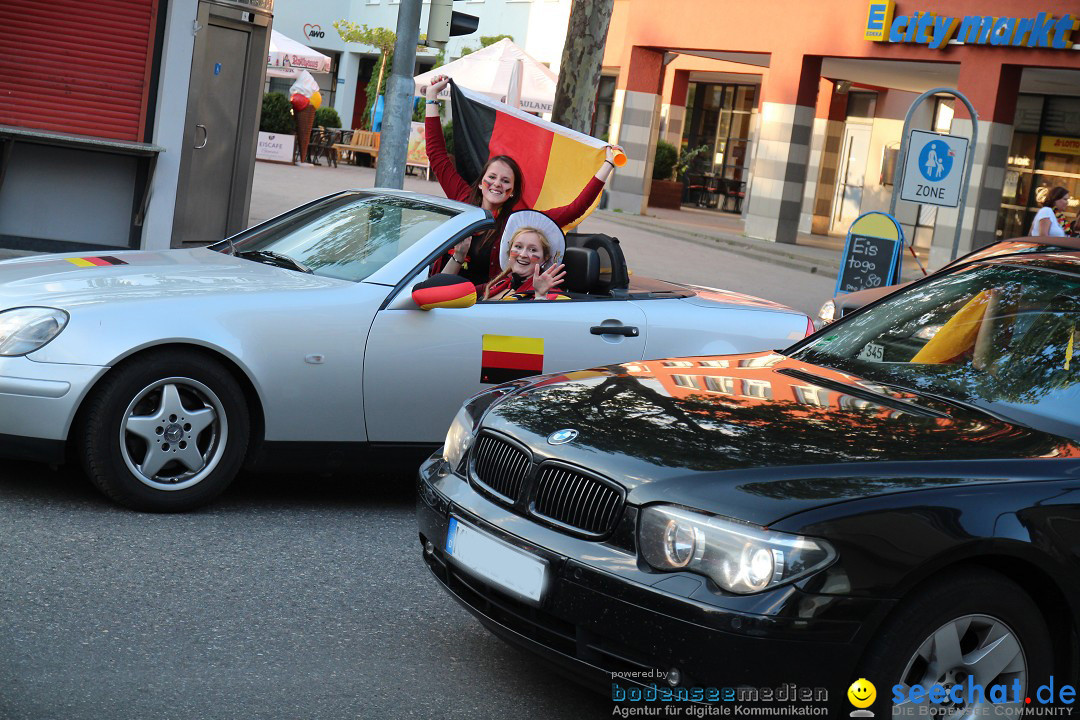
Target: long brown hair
{"x": 1052, "y": 197}
{"x": 505, "y": 209}
{"x": 544, "y": 243}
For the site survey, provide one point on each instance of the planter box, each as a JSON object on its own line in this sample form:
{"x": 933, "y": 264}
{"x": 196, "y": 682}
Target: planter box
{"x": 276, "y": 147}
{"x": 666, "y": 194}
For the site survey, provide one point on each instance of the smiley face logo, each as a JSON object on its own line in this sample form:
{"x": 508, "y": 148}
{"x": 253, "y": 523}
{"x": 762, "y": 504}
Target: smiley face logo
{"x": 862, "y": 693}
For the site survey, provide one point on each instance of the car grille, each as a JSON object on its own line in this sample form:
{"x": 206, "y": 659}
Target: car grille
{"x": 557, "y": 494}
{"x": 500, "y": 467}
{"x": 571, "y": 498}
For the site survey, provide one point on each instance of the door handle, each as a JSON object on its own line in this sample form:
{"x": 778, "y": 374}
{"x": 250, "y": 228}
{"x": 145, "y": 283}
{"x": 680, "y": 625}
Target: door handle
{"x": 624, "y": 330}
{"x": 206, "y": 136}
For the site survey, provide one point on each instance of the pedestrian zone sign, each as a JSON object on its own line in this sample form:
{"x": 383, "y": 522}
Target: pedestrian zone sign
{"x": 934, "y": 168}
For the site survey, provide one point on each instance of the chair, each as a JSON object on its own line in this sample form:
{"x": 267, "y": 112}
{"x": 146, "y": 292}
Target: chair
{"x": 693, "y": 187}
{"x": 734, "y": 190}
{"x": 714, "y": 188}
{"x": 316, "y": 146}
{"x": 346, "y": 144}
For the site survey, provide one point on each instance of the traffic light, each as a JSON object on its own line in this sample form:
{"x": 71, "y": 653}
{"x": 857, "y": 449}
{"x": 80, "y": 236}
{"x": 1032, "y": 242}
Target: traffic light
{"x": 444, "y": 23}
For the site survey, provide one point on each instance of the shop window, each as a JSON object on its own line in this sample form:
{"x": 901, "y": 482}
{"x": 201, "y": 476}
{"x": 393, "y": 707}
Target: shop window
{"x": 1041, "y": 157}
{"x": 720, "y": 118}
{"x": 605, "y": 99}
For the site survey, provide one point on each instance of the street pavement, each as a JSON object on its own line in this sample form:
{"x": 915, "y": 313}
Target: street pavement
{"x": 290, "y": 598}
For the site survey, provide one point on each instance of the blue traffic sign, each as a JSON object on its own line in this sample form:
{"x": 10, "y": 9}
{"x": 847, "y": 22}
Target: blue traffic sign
{"x": 935, "y": 161}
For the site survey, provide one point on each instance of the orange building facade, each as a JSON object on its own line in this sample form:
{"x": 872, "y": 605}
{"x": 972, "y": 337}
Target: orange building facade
{"x": 799, "y": 107}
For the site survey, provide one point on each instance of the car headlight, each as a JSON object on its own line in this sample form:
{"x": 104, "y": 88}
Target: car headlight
{"x": 827, "y": 313}
{"x": 24, "y": 330}
{"x": 739, "y": 557}
{"x": 458, "y": 437}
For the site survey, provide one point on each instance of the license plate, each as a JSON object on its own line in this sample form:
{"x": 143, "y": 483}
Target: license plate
{"x": 873, "y": 351}
{"x": 495, "y": 561}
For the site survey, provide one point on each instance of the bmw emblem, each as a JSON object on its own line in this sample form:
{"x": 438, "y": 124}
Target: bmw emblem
{"x": 561, "y": 437}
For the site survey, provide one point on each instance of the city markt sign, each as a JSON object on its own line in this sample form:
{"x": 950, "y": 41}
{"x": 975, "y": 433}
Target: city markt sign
{"x": 1042, "y": 30}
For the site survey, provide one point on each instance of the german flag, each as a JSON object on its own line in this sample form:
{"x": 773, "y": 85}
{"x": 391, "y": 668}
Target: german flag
{"x": 557, "y": 162}
{"x": 507, "y": 357}
{"x": 102, "y": 261}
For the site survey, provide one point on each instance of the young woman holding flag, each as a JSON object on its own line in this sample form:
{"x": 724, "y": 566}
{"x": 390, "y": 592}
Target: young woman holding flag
{"x": 498, "y": 190}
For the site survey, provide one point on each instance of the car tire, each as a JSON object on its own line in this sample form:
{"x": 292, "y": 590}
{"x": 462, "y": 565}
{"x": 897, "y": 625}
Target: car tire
{"x": 165, "y": 432}
{"x": 957, "y": 628}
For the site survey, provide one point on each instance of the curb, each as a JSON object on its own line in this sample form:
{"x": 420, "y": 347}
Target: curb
{"x": 774, "y": 254}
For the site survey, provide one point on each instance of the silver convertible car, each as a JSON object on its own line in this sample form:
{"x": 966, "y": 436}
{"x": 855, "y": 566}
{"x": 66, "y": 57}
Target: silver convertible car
{"x": 297, "y": 343}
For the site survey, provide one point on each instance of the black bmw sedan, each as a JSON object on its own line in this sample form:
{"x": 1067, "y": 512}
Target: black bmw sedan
{"x": 891, "y": 499}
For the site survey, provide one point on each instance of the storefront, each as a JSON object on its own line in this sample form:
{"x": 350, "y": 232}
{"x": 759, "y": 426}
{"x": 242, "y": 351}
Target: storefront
{"x": 127, "y": 125}
{"x": 804, "y": 104}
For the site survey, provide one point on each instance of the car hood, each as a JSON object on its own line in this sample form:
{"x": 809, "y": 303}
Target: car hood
{"x": 761, "y": 436}
{"x": 68, "y": 280}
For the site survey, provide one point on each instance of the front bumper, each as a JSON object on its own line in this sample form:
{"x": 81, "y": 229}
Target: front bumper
{"x": 602, "y": 613}
{"x": 37, "y": 405}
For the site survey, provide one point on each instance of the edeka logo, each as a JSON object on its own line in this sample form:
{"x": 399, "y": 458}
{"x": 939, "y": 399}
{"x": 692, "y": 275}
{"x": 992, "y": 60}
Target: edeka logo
{"x": 974, "y": 694}
{"x": 1043, "y": 30}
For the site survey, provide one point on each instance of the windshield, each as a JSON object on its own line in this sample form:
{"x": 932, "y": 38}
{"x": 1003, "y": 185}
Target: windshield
{"x": 999, "y": 336}
{"x": 348, "y": 237}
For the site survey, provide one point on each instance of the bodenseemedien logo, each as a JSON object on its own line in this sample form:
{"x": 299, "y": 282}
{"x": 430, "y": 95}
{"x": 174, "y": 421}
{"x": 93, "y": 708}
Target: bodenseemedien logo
{"x": 862, "y": 694}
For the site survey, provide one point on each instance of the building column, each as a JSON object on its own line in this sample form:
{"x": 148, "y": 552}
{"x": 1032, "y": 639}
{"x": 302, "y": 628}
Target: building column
{"x": 789, "y": 97}
{"x": 824, "y": 154}
{"x": 993, "y": 91}
{"x": 640, "y": 84}
{"x": 674, "y": 110}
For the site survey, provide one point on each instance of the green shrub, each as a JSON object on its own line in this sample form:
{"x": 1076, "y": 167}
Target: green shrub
{"x": 277, "y": 116}
{"x": 327, "y": 117}
{"x": 664, "y": 161}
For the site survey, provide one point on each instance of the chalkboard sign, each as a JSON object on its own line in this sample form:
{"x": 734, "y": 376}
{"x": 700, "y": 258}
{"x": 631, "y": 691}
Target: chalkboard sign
{"x": 871, "y": 255}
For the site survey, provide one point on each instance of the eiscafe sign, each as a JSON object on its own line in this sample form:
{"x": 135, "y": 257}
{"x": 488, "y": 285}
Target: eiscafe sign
{"x": 1042, "y": 30}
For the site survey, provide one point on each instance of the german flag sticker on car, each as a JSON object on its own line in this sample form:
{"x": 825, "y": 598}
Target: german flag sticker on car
{"x": 507, "y": 357}
{"x": 99, "y": 261}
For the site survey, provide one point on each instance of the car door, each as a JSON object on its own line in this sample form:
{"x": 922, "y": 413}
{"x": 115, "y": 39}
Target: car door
{"x": 419, "y": 365}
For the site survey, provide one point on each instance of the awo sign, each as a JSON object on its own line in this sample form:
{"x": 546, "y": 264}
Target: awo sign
{"x": 313, "y": 31}
{"x": 275, "y": 147}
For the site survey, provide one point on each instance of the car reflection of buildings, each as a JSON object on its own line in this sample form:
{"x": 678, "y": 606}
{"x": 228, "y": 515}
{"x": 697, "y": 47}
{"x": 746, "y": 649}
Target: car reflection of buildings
{"x": 741, "y": 381}
{"x": 749, "y": 380}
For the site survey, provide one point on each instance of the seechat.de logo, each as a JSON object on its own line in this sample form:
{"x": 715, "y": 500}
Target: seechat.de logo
{"x": 862, "y": 694}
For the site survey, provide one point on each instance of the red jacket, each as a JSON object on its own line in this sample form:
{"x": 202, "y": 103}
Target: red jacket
{"x": 456, "y": 188}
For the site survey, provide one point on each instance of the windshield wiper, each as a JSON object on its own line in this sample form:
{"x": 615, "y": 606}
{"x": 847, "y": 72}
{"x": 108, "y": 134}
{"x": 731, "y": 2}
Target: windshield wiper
{"x": 269, "y": 257}
{"x": 949, "y": 400}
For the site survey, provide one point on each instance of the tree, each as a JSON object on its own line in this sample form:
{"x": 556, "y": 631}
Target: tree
{"x": 485, "y": 40}
{"x": 583, "y": 54}
{"x": 381, "y": 39}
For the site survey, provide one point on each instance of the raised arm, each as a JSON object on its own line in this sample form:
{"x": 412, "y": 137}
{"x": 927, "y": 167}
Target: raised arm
{"x": 450, "y": 181}
{"x": 569, "y": 213}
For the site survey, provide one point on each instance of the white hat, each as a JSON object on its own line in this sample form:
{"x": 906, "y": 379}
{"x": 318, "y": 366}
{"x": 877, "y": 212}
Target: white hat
{"x": 538, "y": 221}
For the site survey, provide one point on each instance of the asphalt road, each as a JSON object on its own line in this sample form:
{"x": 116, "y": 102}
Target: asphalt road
{"x": 290, "y": 598}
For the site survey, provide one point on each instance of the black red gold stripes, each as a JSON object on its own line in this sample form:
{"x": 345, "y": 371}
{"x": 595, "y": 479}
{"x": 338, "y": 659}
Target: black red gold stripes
{"x": 507, "y": 357}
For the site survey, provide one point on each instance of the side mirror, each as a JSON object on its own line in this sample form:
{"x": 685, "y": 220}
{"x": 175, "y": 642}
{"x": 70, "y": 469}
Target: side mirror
{"x": 444, "y": 291}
